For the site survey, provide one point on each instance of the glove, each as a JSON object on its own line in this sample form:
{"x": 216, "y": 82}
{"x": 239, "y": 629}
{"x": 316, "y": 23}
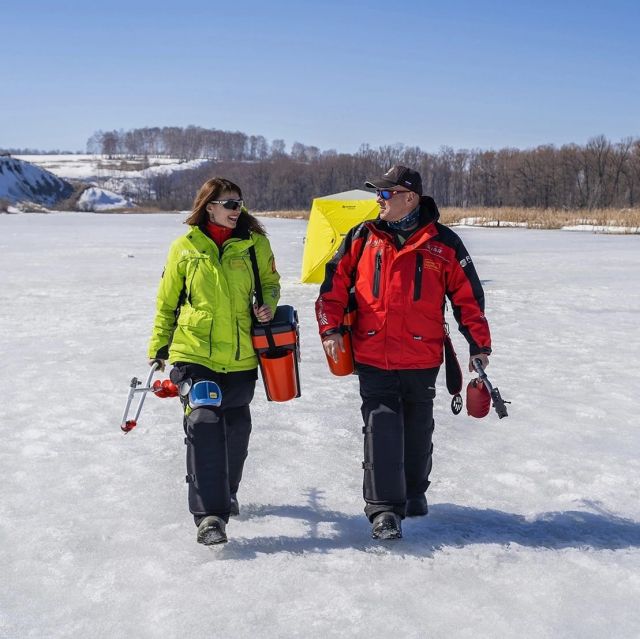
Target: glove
{"x": 161, "y": 363}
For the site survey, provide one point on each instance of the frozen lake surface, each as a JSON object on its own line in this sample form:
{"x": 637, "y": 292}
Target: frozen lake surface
{"x": 534, "y": 523}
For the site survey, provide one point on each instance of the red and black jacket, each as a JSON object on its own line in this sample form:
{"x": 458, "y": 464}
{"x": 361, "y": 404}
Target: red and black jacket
{"x": 400, "y": 293}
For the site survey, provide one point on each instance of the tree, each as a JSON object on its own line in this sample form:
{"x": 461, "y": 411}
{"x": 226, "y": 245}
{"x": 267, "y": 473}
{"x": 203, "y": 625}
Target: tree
{"x": 109, "y": 143}
{"x": 278, "y": 148}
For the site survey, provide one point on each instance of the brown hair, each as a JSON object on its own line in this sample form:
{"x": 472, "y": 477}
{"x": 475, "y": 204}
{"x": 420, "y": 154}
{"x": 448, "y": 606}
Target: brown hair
{"x": 211, "y": 190}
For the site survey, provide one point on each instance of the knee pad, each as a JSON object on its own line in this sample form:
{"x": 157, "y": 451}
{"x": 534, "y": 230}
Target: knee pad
{"x": 204, "y": 416}
{"x": 207, "y": 465}
{"x": 392, "y": 404}
{"x": 383, "y": 465}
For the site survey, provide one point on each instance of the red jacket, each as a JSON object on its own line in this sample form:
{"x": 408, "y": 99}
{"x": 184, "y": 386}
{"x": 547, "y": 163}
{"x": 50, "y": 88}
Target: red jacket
{"x": 400, "y": 293}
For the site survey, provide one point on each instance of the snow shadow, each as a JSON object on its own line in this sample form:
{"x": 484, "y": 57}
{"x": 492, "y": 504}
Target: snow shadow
{"x": 447, "y": 525}
{"x": 453, "y": 525}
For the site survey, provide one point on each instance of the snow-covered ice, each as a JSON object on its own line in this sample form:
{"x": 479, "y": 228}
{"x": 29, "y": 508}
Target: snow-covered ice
{"x": 534, "y": 523}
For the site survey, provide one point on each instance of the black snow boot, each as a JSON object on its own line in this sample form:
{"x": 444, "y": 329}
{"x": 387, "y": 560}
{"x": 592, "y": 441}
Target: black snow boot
{"x": 417, "y": 506}
{"x": 386, "y": 526}
{"x": 234, "y": 509}
{"x": 211, "y": 531}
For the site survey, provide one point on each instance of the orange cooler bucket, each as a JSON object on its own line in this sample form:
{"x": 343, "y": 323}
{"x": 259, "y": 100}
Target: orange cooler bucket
{"x": 279, "y": 375}
{"x": 277, "y": 346}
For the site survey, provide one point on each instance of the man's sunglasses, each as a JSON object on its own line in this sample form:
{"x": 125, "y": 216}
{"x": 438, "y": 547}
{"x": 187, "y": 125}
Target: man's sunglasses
{"x": 385, "y": 194}
{"x": 232, "y": 205}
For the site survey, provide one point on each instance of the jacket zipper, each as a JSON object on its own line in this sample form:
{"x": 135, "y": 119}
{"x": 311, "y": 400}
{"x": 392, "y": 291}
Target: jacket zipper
{"x": 417, "y": 284}
{"x": 238, "y": 340}
{"x": 196, "y": 266}
{"x": 376, "y": 276}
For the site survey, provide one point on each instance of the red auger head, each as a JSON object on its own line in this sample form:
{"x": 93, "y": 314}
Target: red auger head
{"x": 130, "y": 424}
{"x": 165, "y": 388}
{"x": 478, "y": 399}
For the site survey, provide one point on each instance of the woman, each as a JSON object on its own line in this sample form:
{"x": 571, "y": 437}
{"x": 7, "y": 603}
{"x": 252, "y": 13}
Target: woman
{"x": 203, "y": 327}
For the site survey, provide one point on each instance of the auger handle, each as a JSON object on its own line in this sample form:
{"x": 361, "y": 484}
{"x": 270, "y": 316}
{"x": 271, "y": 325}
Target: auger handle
{"x": 127, "y": 425}
{"x": 497, "y": 401}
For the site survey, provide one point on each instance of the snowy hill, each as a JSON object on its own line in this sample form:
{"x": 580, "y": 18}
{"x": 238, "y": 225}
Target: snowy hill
{"x": 113, "y": 183}
{"x": 22, "y": 181}
{"x": 93, "y": 168}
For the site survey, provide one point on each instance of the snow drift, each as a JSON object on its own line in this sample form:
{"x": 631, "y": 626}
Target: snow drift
{"x": 97, "y": 199}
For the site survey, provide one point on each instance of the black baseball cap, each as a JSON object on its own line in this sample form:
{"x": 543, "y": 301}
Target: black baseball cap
{"x": 398, "y": 176}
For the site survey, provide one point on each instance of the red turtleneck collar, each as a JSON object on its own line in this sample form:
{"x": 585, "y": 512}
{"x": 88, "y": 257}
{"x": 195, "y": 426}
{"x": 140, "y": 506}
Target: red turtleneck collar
{"x": 219, "y": 234}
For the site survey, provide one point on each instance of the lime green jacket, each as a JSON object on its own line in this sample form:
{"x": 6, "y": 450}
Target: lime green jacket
{"x": 203, "y": 308}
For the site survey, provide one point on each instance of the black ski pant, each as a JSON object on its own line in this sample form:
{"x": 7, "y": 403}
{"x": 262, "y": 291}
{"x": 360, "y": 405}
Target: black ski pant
{"x": 217, "y": 439}
{"x": 397, "y": 409}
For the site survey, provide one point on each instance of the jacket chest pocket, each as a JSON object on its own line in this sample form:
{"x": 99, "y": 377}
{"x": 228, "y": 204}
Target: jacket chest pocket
{"x": 236, "y": 263}
{"x": 377, "y": 274}
{"x": 428, "y": 279}
{"x": 239, "y": 275}
{"x": 417, "y": 279}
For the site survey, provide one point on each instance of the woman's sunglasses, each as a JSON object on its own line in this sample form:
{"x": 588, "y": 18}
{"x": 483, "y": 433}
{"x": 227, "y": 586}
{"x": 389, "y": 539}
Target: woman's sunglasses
{"x": 386, "y": 194}
{"x": 232, "y": 205}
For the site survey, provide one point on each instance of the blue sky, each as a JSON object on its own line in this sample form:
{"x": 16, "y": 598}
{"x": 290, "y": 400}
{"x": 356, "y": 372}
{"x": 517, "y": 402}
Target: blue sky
{"x": 332, "y": 74}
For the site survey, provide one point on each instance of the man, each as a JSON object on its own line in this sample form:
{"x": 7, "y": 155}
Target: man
{"x": 399, "y": 268}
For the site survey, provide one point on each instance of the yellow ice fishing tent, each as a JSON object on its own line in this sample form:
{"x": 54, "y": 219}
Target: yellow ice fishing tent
{"x": 330, "y": 218}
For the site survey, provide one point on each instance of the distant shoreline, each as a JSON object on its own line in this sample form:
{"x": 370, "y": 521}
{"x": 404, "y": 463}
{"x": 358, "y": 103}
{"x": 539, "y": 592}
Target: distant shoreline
{"x": 604, "y": 221}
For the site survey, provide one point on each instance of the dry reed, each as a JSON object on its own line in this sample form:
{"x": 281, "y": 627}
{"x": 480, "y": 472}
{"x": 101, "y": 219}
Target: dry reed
{"x": 628, "y": 220}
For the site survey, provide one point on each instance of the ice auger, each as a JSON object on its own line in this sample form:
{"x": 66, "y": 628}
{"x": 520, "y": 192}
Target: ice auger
{"x": 480, "y": 391}
{"x": 164, "y": 388}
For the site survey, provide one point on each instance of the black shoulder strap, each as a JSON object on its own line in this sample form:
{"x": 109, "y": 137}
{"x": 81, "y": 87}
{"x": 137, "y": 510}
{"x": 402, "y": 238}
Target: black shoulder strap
{"x": 259, "y": 299}
{"x": 256, "y": 275}
{"x": 355, "y": 267}
{"x": 452, "y": 367}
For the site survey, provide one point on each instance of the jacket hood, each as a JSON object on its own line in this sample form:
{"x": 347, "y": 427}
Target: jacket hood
{"x": 428, "y": 210}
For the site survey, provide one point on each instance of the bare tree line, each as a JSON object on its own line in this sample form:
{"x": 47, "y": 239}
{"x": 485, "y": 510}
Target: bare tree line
{"x": 599, "y": 174}
{"x": 271, "y": 185}
{"x": 27, "y": 151}
{"x": 187, "y": 143}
